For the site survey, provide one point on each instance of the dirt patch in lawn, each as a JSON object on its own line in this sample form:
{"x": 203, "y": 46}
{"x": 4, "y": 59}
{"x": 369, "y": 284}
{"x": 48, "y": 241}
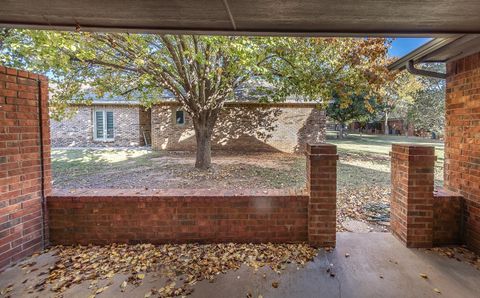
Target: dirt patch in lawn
{"x": 160, "y": 170}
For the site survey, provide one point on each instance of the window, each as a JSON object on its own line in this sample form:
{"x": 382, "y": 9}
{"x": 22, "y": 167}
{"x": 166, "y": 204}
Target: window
{"x": 103, "y": 128}
{"x": 180, "y": 117}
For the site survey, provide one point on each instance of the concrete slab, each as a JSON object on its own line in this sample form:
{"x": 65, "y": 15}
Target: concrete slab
{"x": 378, "y": 265}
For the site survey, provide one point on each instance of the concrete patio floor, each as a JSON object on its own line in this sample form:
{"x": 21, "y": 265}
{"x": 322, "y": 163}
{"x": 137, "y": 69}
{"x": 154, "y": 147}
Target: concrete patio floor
{"x": 378, "y": 266}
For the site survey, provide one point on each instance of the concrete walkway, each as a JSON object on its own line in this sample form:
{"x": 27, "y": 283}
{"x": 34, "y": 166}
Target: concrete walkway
{"x": 378, "y": 266}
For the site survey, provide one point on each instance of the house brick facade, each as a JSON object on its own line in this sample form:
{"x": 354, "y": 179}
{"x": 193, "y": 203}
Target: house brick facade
{"x": 130, "y": 123}
{"x": 462, "y": 140}
{"x": 242, "y": 126}
{"x": 24, "y": 156}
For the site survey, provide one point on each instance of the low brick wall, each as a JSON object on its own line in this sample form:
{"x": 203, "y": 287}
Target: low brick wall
{"x": 176, "y": 216}
{"x": 447, "y": 217}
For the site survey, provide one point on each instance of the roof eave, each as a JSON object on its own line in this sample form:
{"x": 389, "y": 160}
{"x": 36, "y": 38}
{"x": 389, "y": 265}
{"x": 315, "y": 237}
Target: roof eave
{"x": 421, "y": 53}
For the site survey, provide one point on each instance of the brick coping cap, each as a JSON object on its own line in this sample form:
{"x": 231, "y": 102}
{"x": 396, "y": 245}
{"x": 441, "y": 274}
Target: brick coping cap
{"x": 412, "y": 149}
{"x": 443, "y": 192}
{"x": 321, "y": 149}
{"x": 176, "y": 193}
{"x": 409, "y": 145}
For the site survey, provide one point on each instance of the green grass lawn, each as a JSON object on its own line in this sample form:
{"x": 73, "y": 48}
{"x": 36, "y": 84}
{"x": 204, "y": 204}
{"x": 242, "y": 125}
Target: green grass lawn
{"x": 381, "y": 144}
{"x": 364, "y": 159}
{"x": 364, "y": 162}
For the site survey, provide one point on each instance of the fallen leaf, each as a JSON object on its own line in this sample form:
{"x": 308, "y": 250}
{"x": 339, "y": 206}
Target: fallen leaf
{"x": 100, "y": 290}
{"x": 123, "y": 285}
{"x": 275, "y": 284}
{"x": 436, "y": 290}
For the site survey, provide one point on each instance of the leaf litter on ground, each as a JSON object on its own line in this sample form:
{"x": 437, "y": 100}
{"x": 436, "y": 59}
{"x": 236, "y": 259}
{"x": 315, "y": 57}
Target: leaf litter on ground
{"x": 183, "y": 265}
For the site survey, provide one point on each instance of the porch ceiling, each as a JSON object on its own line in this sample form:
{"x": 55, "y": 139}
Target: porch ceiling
{"x": 263, "y": 17}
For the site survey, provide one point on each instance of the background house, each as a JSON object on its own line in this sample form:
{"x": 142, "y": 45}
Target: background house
{"x": 245, "y": 124}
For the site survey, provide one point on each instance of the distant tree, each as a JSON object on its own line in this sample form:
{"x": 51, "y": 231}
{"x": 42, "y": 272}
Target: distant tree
{"x": 427, "y": 110}
{"x": 397, "y": 95}
{"x": 356, "y": 110}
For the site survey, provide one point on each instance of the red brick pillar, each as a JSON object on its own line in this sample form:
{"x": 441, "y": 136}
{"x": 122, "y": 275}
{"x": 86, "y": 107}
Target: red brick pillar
{"x": 25, "y": 171}
{"x": 412, "y": 194}
{"x": 322, "y": 187}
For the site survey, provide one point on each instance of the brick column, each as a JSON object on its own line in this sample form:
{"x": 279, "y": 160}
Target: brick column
{"x": 322, "y": 187}
{"x": 23, "y": 95}
{"x": 412, "y": 194}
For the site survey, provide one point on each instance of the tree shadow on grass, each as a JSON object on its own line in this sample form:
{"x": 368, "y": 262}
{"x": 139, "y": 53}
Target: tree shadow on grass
{"x": 91, "y": 169}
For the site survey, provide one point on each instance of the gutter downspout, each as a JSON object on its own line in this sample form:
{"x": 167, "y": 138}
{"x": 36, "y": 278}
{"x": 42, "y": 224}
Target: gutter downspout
{"x": 426, "y": 73}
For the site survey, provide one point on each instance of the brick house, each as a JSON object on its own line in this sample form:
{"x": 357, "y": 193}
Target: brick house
{"x": 246, "y": 125}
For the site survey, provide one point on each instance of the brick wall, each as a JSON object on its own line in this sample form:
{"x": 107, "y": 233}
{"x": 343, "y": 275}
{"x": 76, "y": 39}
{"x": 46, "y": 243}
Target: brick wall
{"x": 244, "y": 126}
{"x": 447, "y": 218}
{"x": 20, "y": 163}
{"x": 462, "y": 140}
{"x": 145, "y": 123}
{"x": 412, "y": 179}
{"x": 125, "y": 216}
{"x": 77, "y": 131}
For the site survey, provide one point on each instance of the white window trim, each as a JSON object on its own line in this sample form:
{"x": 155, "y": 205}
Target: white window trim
{"x": 105, "y": 138}
{"x": 175, "y": 117}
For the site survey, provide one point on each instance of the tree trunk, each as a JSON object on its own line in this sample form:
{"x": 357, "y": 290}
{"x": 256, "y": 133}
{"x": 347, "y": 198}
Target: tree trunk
{"x": 204, "y": 150}
{"x": 203, "y": 125}
{"x": 386, "y": 124}
{"x": 341, "y": 130}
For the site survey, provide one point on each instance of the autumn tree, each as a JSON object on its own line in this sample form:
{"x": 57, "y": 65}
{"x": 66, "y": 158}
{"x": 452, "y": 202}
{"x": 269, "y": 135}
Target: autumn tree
{"x": 201, "y": 71}
{"x": 356, "y": 110}
{"x": 318, "y": 69}
{"x": 343, "y": 75}
{"x": 397, "y": 96}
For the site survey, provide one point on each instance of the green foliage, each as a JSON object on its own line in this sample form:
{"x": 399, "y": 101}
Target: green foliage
{"x": 356, "y": 111}
{"x": 318, "y": 69}
{"x": 427, "y": 110}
